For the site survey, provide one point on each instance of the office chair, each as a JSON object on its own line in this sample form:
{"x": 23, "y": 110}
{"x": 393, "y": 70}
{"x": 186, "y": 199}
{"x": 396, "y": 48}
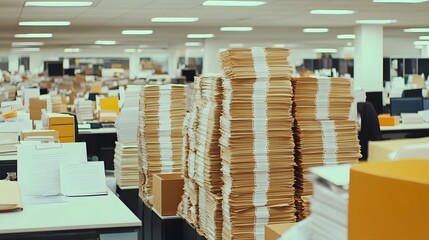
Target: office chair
{"x": 370, "y": 127}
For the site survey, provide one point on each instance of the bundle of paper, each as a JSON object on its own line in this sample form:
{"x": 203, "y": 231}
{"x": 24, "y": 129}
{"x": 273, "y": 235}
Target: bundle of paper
{"x": 256, "y": 141}
{"x": 8, "y": 141}
{"x": 188, "y": 207}
{"x": 322, "y": 98}
{"x": 320, "y": 143}
{"x": 210, "y": 214}
{"x": 163, "y": 110}
{"x": 126, "y": 125}
{"x": 126, "y": 163}
{"x": 208, "y": 162}
{"x": 11, "y": 92}
{"x": 56, "y": 104}
{"x": 84, "y": 110}
{"x": 140, "y": 152}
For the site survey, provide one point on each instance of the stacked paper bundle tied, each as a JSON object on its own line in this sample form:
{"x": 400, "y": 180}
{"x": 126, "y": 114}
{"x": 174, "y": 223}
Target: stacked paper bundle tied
{"x": 257, "y": 146}
{"x": 125, "y": 163}
{"x": 84, "y": 110}
{"x": 323, "y": 133}
{"x": 188, "y": 208}
{"x": 163, "y": 111}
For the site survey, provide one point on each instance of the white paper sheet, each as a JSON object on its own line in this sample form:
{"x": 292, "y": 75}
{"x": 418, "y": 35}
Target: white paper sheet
{"x": 83, "y": 179}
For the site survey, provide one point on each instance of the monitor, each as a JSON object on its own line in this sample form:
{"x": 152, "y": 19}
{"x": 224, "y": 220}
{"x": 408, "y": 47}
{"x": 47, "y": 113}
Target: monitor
{"x": 412, "y": 93}
{"x": 69, "y": 71}
{"x": 54, "y": 68}
{"x": 189, "y": 74}
{"x": 405, "y": 105}
{"x": 426, "y": 104}
{"x": 376, "y": 98}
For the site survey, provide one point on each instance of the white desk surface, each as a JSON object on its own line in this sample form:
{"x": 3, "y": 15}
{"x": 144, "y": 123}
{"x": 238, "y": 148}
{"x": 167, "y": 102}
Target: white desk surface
{"x": 77, "y": 213}
{"x": 97, "y": 131}
{"x": 404, "y": 127}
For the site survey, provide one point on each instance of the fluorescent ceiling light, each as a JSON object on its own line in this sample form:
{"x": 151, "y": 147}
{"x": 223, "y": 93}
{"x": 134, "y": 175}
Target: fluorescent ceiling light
{"x": 174, "y": 19}
{"x": 105, "y": 42}
{"x": 325, "y": 50}
{"x": 424, "y": 37}
{"x": 203, "y": 35}
{"x": 315, "y": 30}
{"x": 236, "y": 29}
{"x": 25, "y": 49}
{"x": 137, "y": 32}
{"x": 236, "y": 45}
{"x": 212, "y": 3}
{"x": 34, "y": 35}
{"x": 421, "y": 43}
{"x": 332, "y": 12}
{"x": 346, "y": 36}
{"x": 400, "y": 1}
{"x": 375, "y": 21}
{"x": 71, "y": 50}
{"x": 45, "y": 23}
{"x": 58, "y": 4}
{"x": 193, "y": 44}
{"x": 416, "y": 30}
{"x": 18, "y": 44}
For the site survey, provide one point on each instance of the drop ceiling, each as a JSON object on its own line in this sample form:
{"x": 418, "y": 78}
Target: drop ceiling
{"x": 278, "y": 21}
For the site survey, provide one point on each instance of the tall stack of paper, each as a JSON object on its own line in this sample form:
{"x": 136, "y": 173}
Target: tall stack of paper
{"x": 8, "y": 141}
{"x": 125, "y": 163}
{"x": 126, "y": 125}
{"x": 84, "y": 110}
{"x": 48, "y": 100}
{"x": 131, "y": 98}
{"x": 11, "y": 92}
{"x": 323, "y": 133}
{"x": 56, "y": 104}
{"x": 257, "y": 147}
{"x": 163, "y": 109}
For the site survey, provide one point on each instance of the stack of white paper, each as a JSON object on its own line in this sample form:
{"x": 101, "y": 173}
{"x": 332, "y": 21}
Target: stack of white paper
{"x": 256, "y": 141}
{"x": 132, "y": 96}
{"x": 411, "y": 118}
{"x": 126, "y": 125}
{"x": 48, "y": 100}
{"x": 323, "y": 133}
{"x": 163, "y": 110}
{"x": 125, "y": 163}
{"x": 56, "y": 104}
{"x": 84, "y": 110}
{"x": 8, "y": 141}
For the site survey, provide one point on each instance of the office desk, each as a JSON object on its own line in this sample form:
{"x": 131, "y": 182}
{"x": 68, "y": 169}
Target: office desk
{"x": 97, "y": 131}
{"x": 405, "y": 127}
{"x": 405, "y": 131}
{"x": 79, "y": 216}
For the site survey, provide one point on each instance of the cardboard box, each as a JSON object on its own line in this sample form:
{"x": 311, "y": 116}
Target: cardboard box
{"x": 167, "y": 193}
{"x": 60, "y": 119}
{"x": 52, "y": 133}
{"x": 387, "y": 120}
{"x": 388, "y": 200}
{"x": 36, "y": 106}
{"x": 380, "y": 150}
{"x": 275, "y": 231}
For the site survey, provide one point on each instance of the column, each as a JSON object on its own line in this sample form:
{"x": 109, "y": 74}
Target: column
{"x": 211, "y": 57}
{"x": 368, "y": 60}
{"x": 135, "y": 67}
{"x": 13, "y": 63}
{"x": 425, "y": 51}
{"x": 36, "y": 63}
{"x": 173, "y": 60}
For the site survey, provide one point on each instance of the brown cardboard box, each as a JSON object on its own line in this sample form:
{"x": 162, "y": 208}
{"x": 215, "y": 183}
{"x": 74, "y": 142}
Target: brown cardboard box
{"x": 275, "y": 231}
{"x": 167, "y": 193}
{"x": 388, "y": 200}
{"x": 52, "y": 133}
{"x": 380, "y": 150}
{"x": 64, "y": 119}
{"x": 36, "y": 106}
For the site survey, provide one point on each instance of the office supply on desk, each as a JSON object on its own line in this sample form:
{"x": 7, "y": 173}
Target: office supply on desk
{"x": 84, "y": 110}
{"x": 83, "y": 179}
{"x": 39, "y": 166}
{"x": 10, "y": 197}
{"x": 405, "y": 105}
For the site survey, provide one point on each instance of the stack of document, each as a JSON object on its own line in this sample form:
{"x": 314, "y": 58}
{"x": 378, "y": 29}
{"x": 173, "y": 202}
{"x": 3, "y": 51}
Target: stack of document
{"x": 84, "y": 110}
{"x": 411, "y": 118}
{"x": 323, "y": 133}
{"x": 329, "y": 206}
{"x": 10, "y": 199}
{"x": 210, "y": 214}
{"x": 163, "y": 110}
{"x": 322, "y": 98}
{"x": 257, "y": 147}
{"x": 11, "y": 92}
{"x": 125, "y": 163}
{"x": 48, "y": 100}
{"x": 126, "y": 125}
{"x": 132, "y": 96}
{"x": 8, "y": 141}
{"x": 56, "y": 104}
{"x": 188, "y": 207}
{"x": 320, "y": 143}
